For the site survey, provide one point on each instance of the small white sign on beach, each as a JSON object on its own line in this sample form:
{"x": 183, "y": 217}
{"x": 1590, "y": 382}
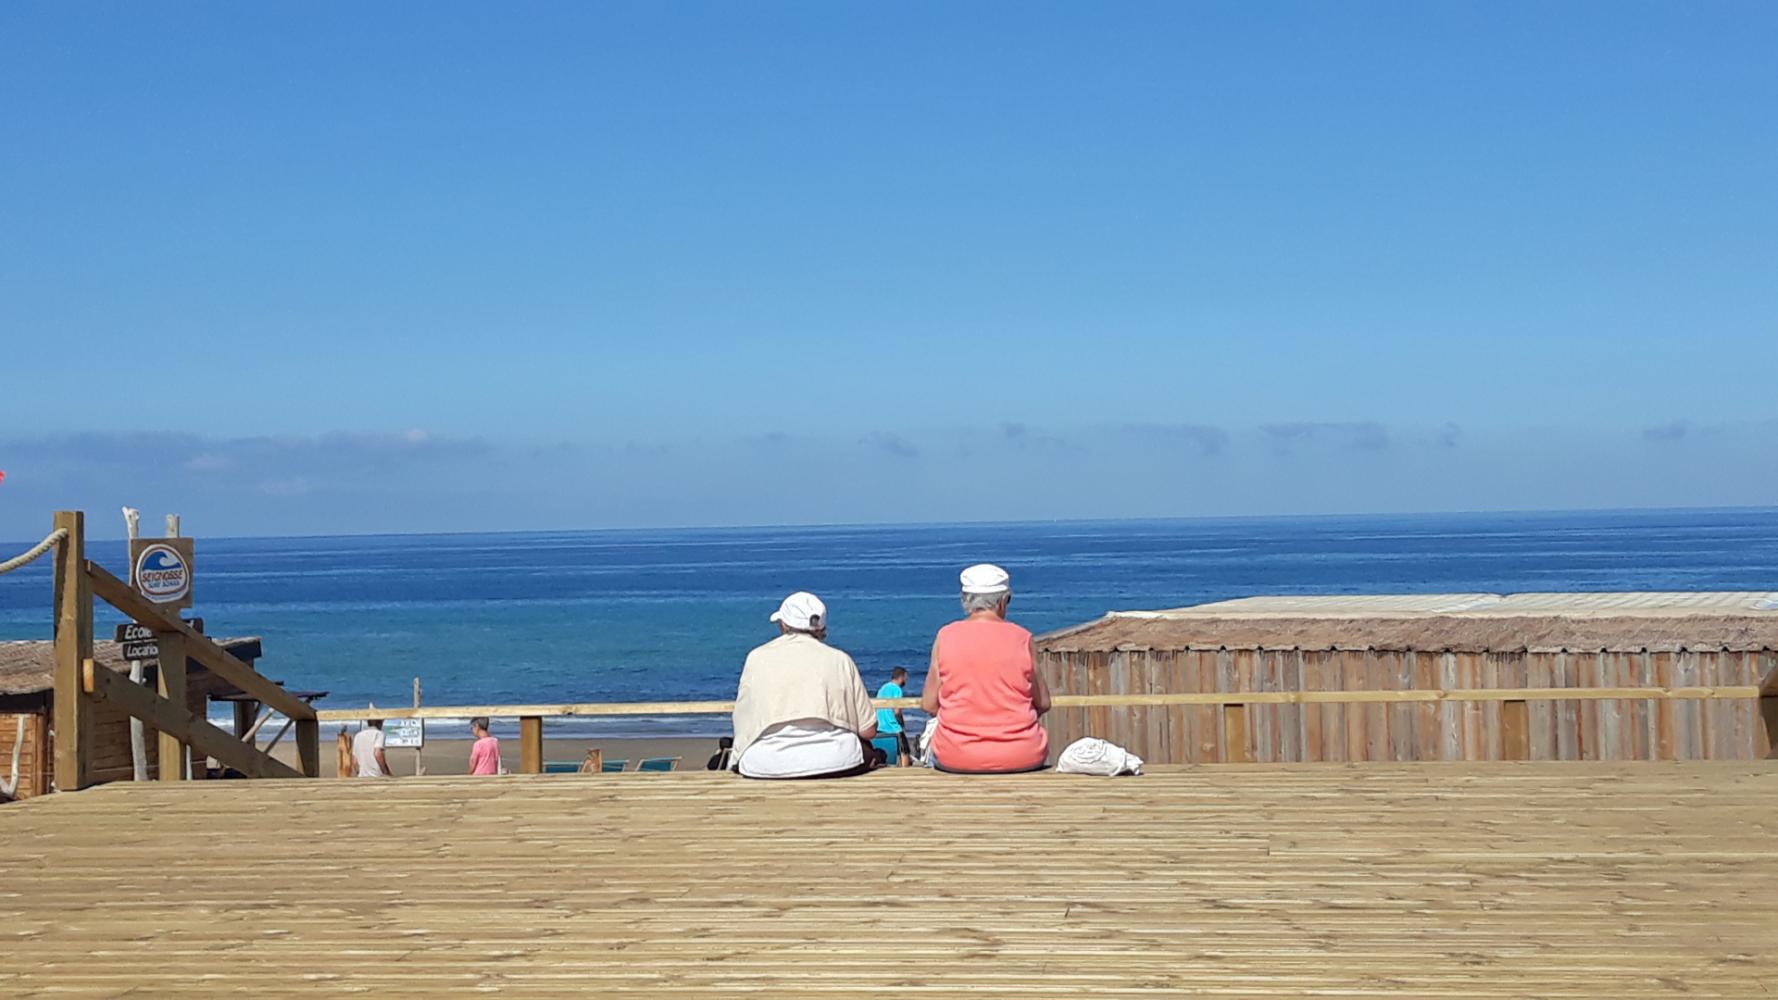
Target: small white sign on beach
{"x": 409, "y": 733}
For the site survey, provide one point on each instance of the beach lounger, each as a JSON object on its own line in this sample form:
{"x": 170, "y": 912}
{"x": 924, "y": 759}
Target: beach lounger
{"x": 613, "y": 766}
{"x": 561, "y": 766}
{"x": 658, "y": 763}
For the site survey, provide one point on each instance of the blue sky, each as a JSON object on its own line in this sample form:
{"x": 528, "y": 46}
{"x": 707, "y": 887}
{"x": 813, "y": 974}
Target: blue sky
{"x": 346, "y": 267}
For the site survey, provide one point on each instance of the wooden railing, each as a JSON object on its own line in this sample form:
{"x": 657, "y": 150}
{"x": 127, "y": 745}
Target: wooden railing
{"x": 81, "y": 684}
{"x": 1515, "y": 723}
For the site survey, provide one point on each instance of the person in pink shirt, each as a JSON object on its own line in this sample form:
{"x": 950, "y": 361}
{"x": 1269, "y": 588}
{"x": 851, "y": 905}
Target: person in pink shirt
{"x": 983, "y": 691}
{"x": 484, "y": 756}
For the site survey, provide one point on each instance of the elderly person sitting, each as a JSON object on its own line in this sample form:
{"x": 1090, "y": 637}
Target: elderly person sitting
{"x": 801, "y": 711}
{"x": 984, "y": 689}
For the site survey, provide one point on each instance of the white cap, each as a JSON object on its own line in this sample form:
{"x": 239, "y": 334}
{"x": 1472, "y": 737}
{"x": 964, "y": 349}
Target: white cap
{"x": 985, "y": 578}
{"x": 802, "y": 611}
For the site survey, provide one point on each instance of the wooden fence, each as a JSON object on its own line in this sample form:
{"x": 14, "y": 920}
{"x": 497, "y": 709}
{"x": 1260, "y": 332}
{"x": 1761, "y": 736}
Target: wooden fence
{"x": 1302, "y": 705}
{"x": 1230, "y": 712}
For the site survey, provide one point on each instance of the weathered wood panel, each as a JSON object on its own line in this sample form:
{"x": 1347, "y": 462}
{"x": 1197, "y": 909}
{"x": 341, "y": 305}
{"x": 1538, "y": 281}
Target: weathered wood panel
{"x": 1428, "y": 735}
{"x": 1451, "y": 714}
{"x": 1608, "y": 729}
{"x": 35, "y": 756}
{"x": 1398, "y": 672}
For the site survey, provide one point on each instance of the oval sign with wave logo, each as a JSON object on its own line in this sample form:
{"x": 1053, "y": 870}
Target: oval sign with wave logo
{"x": 162, "y": 574}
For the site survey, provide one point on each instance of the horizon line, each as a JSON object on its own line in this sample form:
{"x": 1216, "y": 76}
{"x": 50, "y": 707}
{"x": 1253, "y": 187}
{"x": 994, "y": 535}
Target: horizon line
{"x": 835, "y": 525}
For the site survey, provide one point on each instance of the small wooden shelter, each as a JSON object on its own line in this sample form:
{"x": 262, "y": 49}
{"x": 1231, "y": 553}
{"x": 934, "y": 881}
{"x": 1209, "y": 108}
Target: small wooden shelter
{"x": 1640, "y": 676}
{"x": 27, "y": 708}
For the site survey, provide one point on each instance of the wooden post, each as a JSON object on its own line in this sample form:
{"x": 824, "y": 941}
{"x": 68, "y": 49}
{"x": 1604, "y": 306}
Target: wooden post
{"x": 1515, "y": 731}
{"x": 419, "y": 751}
{"x": 73, "y": 647}
{"x": 1236, "y": 748}
{"x": 308, "y": 747}
{"x": 245, "y": 713}
{"x": 173, "y": 754}
{"x": 138, "y": 733}
{"x": 531, "y": 744}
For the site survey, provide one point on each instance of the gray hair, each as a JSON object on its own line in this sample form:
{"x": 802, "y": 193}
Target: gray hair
{"x": 984, "y": 602}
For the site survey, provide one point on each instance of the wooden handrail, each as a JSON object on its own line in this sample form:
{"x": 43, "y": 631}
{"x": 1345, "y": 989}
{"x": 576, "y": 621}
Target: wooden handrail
{"x": 79, "y": 685}
{"x": 174, "y": 720}
{"x": 198, "y": 646}
{"x": 597, "y": 709}
{"x": 1408, "y": 696}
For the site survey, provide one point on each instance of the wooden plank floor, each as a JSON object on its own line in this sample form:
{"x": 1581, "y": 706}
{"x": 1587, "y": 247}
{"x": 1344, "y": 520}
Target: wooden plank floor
{"x": 1523, "y": 880}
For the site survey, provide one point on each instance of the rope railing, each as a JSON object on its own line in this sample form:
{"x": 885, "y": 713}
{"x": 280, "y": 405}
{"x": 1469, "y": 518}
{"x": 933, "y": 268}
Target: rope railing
{"x": 35, "y": 552}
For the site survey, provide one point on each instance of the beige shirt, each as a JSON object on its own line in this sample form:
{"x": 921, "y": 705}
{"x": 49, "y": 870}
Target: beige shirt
{"x": 794, "y": 677}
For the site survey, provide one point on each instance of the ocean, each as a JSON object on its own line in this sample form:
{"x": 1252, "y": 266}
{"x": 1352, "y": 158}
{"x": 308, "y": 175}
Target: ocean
{"x": 645, "y": 615}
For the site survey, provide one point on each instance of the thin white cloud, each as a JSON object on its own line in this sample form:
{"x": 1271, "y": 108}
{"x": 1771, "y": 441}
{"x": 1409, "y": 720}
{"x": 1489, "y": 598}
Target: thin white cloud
{"x": 1364, "y": 435}
{"x": 1206, "y": 439}
{"x": 890, "y": 443}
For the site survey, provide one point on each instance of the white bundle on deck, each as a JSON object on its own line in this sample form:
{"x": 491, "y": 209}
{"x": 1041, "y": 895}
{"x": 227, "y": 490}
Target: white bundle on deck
{"x": 1090, "y": 755}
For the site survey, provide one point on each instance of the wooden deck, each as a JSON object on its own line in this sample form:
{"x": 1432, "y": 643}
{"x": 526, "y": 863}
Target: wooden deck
{"x": 1525, "y": 880}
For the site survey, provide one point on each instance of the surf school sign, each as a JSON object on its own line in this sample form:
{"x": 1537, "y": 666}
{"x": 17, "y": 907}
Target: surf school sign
{"x": 160, "y": 568}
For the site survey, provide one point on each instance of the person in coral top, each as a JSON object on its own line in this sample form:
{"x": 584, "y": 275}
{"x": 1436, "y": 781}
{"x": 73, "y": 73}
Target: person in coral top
{"x": 984, "y": 689}
{"x": 484, "y": 754}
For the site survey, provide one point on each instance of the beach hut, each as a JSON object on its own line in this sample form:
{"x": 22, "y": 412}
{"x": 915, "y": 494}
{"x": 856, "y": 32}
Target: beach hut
{"x": 1640, "y": 676}
{"x": 27, "y": 696}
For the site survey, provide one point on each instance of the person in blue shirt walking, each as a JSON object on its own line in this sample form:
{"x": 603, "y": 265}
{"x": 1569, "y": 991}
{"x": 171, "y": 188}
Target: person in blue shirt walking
{"x": 889, "y": 721}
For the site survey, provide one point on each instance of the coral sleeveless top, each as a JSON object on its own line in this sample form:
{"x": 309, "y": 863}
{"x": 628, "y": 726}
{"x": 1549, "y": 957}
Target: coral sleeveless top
{"x": 986, "y": 721}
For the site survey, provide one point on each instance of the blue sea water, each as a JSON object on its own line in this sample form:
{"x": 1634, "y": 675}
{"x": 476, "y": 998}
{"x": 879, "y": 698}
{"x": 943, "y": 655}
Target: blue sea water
{"x": 669, "y": 614}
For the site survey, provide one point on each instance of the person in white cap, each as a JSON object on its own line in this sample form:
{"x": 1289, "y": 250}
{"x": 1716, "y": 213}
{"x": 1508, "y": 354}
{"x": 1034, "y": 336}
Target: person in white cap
{"x": 984, "y": 690}
{"x": 801, "y": 710}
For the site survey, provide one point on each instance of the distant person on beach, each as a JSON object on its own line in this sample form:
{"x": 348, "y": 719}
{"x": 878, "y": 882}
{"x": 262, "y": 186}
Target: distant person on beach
{"x": 889, "y": 720}
{"x": 484, "y": 755}
{"x": 367, "y": 751}
{"x": 984, "y": 689}
{"x": 342, "y": 748}
{"x": 801, "y": 710}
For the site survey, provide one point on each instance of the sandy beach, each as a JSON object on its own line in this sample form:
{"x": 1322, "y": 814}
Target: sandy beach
{"x": 452, "y": 756}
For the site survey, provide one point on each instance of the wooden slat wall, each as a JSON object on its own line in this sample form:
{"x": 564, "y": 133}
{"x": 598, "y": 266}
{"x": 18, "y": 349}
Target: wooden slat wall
{"x": 1611, "y": 730}
{"x": 1154, "y": 674}
{"x": 111, "y": 746}
{"x": 1765, "y": 724}
{"x": 34, "y": 757}
{"x": 1292, "y": 724}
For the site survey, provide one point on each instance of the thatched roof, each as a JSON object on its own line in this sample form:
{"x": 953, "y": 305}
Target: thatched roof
{"x": 1457, "y": 622}
{"x": 29, "y": 667}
